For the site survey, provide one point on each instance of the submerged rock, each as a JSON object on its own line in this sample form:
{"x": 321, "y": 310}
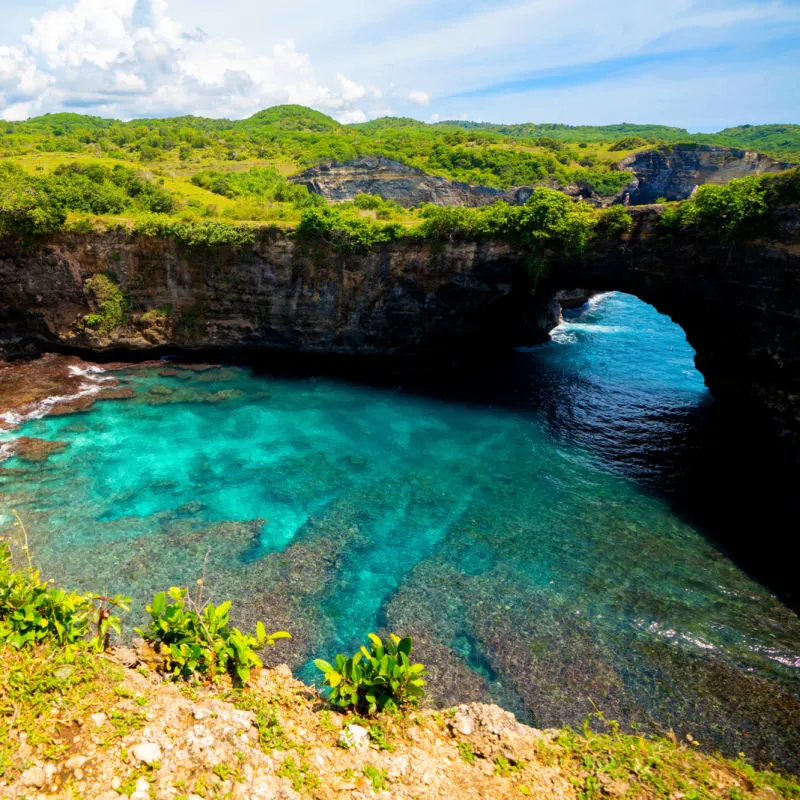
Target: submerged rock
{"x": 36, "y": 450}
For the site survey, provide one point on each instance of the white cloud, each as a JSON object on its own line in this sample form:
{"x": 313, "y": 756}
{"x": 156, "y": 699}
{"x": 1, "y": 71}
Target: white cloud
{"x": 509, "y": 60}
{"x": 130, "y": 58}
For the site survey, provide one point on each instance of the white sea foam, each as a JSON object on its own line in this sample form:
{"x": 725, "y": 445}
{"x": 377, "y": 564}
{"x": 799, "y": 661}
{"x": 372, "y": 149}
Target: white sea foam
{"x": 598, "y": 299}
{"x": 92, "y": 385}
{"x": 6, "y": 451}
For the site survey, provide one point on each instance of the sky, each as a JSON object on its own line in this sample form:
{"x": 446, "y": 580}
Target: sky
{"x": 699, "y": 64}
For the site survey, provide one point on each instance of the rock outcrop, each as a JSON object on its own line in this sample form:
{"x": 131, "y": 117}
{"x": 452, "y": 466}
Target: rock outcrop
{"x": 408, "y": 186}
{"x": 419, "y": 300}
{"x": 672, "y": 171}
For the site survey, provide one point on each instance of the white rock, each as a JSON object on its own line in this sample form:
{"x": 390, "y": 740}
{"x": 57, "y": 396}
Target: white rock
{"x": 464, "y": 724}
{"x": 35, "y": 776}
{"x": 142, "y": 785}
{"x": 140, "y": 796}
{"x": 354, "y": 736}
{"x": 76, "y": 762}
{"x": 146, "y": 752}
{"x": 99, "y": 719}
{"x": 116, "y": 782}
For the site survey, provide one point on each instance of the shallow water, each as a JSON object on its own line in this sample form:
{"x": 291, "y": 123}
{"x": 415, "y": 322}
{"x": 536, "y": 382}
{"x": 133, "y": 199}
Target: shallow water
{"x": 524, "y": 549}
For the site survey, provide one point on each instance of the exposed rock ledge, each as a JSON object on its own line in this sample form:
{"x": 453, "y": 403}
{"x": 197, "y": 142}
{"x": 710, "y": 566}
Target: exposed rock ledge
{"x": 672, "y": 172}
{"x": 668, "y": 171}
{"x": 408, "y": 186}
{"x": 135, "y": 736}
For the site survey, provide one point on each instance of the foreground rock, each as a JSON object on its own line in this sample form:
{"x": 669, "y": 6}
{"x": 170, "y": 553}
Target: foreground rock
{"x": 278, "y": 741}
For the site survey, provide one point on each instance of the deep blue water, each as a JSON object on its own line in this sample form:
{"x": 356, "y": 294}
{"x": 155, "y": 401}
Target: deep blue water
{"x": 527, "y": 544}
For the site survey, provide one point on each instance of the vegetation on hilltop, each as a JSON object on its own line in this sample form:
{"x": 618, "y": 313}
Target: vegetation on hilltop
{"x": 292, "y": 137}
{"x": 209, "y": 182}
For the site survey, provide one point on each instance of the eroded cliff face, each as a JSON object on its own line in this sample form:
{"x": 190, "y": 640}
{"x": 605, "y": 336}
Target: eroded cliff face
{"x": 414, "y": 298}
{"x": 672, "y": 172}
{"x": 435, "y": 301}
{"x": 408, "y": 186}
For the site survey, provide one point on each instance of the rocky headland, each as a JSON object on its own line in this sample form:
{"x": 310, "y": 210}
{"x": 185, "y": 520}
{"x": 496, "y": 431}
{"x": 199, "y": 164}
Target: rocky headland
{"x": 118, "y": 730}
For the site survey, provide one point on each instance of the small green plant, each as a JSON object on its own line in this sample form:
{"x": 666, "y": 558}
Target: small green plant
{"x": 104, "y": 620}
{"x": 381, "y": 678}
{"x": 465, "y": 751}
{"x": 378, "y": 777}
{"x": 378, "y": 735}
{"x": 31, "y": 610}
{"x": 505, "y": 767}
{"x": 195, "y": 638}
{"x": 111, "y": 302}
{"x": 300, "y": 775}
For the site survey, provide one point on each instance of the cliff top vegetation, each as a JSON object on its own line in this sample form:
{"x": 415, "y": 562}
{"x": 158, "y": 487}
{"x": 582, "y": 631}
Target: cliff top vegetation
{"x": 210, "y": 181}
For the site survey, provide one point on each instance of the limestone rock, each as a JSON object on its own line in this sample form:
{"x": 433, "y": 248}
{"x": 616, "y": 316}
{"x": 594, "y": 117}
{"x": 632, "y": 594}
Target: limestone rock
{"x": 146, "y": 752}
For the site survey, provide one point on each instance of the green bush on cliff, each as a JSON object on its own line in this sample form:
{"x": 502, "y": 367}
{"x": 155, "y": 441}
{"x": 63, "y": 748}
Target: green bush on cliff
{"x": 111, "y": 302}
{"x": 726, "y": 212}
{"x": 381, "y": 678}
{"x": 196, "y": 639}
{"x": 343, "y": 230}
{"x": 548, "y": 220}
{"x": 203, "y": 233}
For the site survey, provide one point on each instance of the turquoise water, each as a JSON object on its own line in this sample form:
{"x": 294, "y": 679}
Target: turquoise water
{"x": 515, "y": 546}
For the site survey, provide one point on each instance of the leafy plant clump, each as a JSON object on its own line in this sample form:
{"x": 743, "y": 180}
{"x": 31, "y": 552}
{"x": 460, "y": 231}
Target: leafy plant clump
{"x": 381, "y": 678}
{"x": 110, "y": 300}
{"x": 202, "y": 233}
{"x": 197, "y": 639}
{"x": 33, "y": 611}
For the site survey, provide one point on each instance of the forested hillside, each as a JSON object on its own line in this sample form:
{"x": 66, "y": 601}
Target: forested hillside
{"x": 189, "y": 176}
{"x": 289, "y": 138}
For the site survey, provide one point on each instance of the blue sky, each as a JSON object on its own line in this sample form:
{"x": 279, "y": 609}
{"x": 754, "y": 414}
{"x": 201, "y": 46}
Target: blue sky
{"x": 700, "y": 65}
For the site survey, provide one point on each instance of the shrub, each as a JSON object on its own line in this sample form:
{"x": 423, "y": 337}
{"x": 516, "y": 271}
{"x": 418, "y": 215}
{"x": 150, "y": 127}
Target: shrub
{"x": 722, "y": 212}
{"x": 198, "y": 640}
{"x": 381, "y": 678}
{"x": 628, "y": 143}
{"x": 206, "y": 233}
{"x": 112, "y": 303}
{"x": 25, "y": 207}
{"x": 345, "y": 232}
{"x": 33, "y": 611}
{"x": 613, "y": 221}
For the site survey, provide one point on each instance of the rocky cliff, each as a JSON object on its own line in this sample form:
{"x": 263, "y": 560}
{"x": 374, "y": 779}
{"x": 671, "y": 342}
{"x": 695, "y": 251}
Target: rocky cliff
{"x": 406, "y": 185}
{"x": 672, "y": 171}
{"x": 417, "y": 300}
